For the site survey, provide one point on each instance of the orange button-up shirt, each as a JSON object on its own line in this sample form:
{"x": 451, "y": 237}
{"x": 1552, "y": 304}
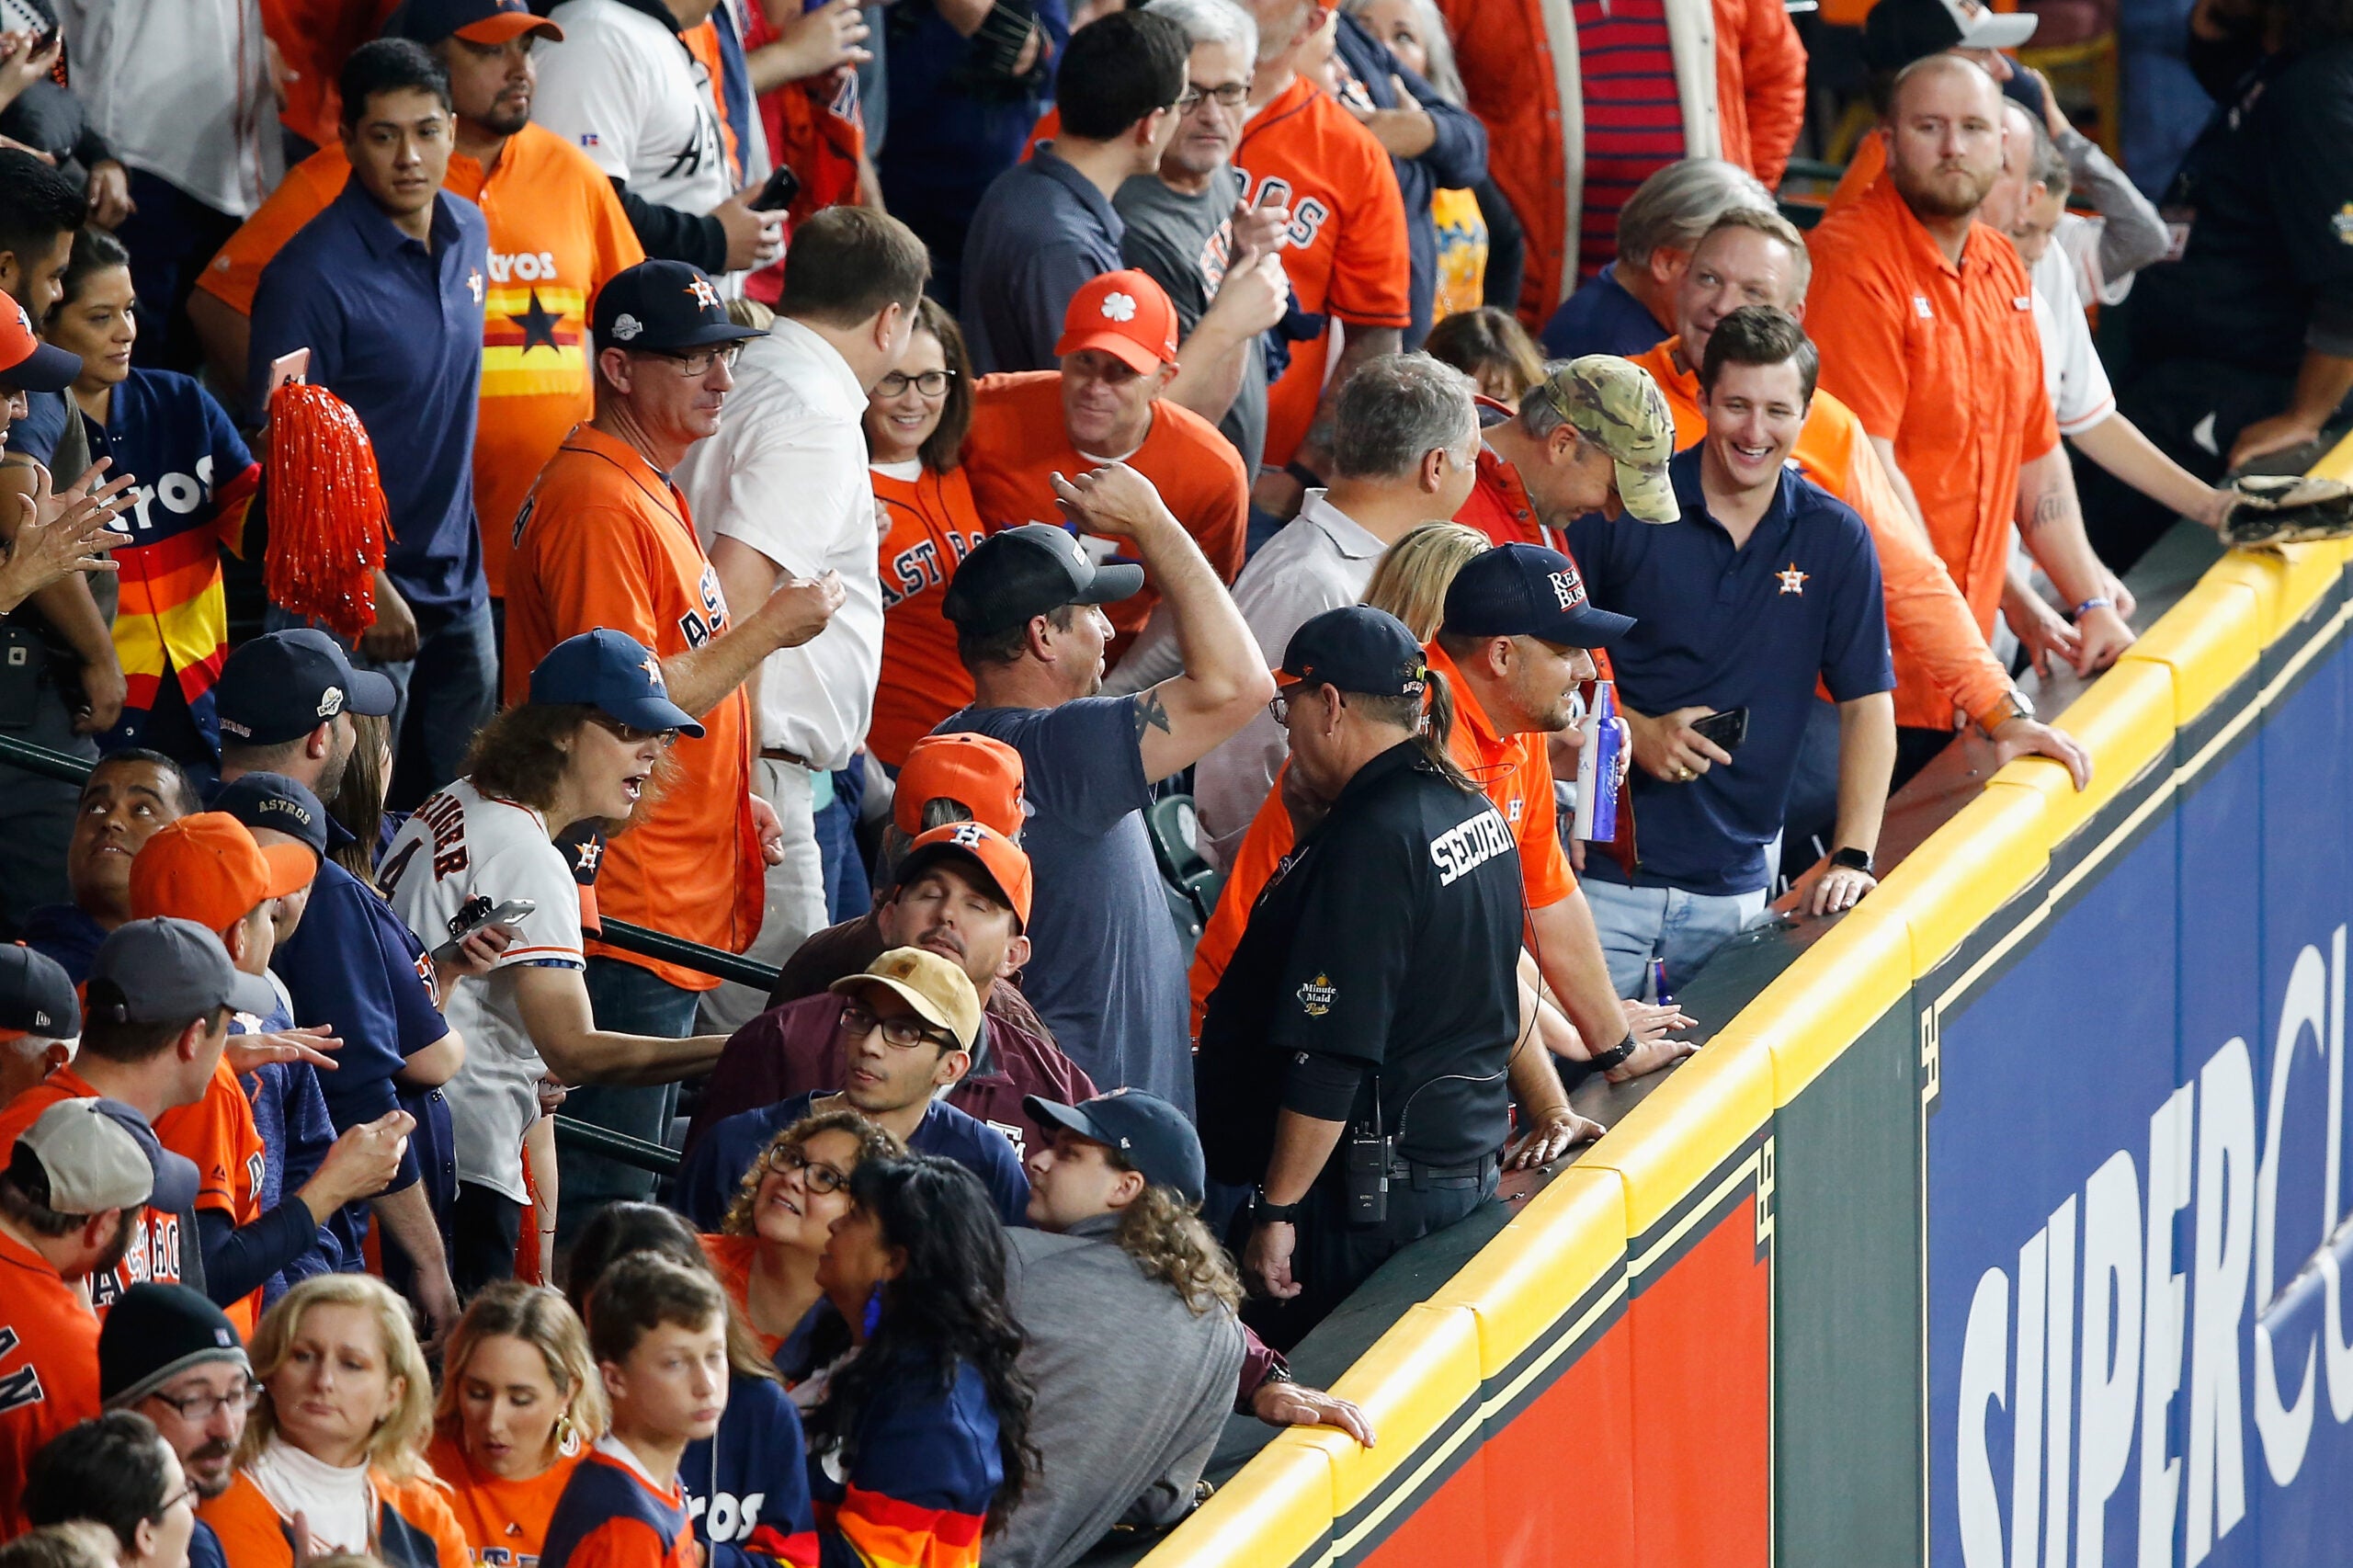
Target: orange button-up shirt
{"x": 1944, "y": 361}
{"x": 1941, "y": 660}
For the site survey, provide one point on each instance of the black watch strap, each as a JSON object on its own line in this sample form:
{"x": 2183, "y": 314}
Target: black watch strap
{"x": 1852, "y": 859}
{"x": 1265, "y": 1213}
{"x": 1616, "y": 1056}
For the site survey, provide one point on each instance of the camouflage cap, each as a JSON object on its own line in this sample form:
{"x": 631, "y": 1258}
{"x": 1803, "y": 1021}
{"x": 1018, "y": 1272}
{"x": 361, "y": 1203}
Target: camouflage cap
{"x": 1614, "y": 404}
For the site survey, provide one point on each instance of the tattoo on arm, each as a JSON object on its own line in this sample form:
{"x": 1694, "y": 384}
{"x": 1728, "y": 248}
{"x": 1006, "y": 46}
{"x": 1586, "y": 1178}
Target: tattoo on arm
{"x": 1150, "y": 713}
{"x": 2048, "y": 507}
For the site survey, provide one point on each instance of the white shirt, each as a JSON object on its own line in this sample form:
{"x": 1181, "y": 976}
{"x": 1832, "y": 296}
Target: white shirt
{"x": 627, "y": 91}
{"x": 2071, "y": 372}
{"x": 463, "y": 846}
{"x": 787, "y": 476}
{"x": 180, "y": 88}
{"x": 1321, "y": 561}
{"x": 339, "y": 1505}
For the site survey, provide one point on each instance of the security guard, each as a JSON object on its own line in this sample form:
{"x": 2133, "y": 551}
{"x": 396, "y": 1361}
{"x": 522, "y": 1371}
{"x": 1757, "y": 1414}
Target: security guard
{"x": 1352, "y": 1061}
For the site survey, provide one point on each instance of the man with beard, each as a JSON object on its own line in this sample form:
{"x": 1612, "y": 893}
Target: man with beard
{"x": 1925, "y": 318}
{"x": 72, "y": 1197}
{"x": 173, "y": 1356}
{"x": 963, "y": 892}
{"x": 557, "y": 232}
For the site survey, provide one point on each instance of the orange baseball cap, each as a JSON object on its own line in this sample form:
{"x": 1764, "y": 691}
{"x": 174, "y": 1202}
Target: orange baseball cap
{"x": 1127, "y": 315}
{"x": 1001, "y": 860}
{"x": 980, "y": 770}
{"x": 208, "y": 868}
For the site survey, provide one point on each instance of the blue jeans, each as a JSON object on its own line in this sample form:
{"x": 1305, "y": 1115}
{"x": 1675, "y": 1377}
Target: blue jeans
{"x": 1637, "y": 924}
{"x": 631, "y": 1000}
{"x": 848, "y": 893}
{"x": 455, "y": 679}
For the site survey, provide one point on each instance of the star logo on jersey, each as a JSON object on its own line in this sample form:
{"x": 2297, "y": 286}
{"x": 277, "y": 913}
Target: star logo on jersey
{"x": 539, "y": 324}
{"x": 1792, "y": 580}
{"x": 705, "y": 296}
{"x": 473, "y": 284}
{"x": 1315, "y": 995}
{"x": 1119, "y": 307}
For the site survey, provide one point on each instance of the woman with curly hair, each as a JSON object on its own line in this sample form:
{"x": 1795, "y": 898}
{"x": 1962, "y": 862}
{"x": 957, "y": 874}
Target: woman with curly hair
{"x": 921, "y": 1446}
{"x": 333, "y": 1455}
{"x": 768, "y": 1246}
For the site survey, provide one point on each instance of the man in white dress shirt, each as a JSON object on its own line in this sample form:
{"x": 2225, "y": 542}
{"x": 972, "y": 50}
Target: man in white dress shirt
{"x": 1407, "y": 452}
{"x": 782, "y": 490}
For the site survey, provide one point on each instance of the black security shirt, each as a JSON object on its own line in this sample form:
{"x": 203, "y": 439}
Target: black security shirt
{"x": 1387, "y": 941}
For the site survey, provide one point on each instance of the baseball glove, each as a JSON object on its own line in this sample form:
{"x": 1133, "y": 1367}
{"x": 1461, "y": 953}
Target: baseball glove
{"x": 2287, "y": 509}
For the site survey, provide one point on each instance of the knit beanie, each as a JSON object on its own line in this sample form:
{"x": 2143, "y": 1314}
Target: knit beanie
{"x": 153, "y": 1335}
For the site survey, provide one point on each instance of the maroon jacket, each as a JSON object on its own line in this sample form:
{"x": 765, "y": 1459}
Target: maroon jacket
{"x": 796, "y": 1049}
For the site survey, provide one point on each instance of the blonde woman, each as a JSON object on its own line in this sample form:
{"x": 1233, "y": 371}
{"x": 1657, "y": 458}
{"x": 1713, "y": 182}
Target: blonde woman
{"x": 521, "y": 1401}
{"x": 333, "y": 1455}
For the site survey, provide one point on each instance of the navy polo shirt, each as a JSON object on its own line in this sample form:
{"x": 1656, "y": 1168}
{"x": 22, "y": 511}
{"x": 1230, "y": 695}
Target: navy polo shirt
{"x": 1602, "y": 317}
{"x": 1722, "y": 628}
{"x": 1042, "y": 230}
{"x": 394, "y": 329}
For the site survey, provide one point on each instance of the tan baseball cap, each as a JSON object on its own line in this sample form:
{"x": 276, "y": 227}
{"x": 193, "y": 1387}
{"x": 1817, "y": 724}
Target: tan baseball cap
{"x": 939, "y": 992}
{"x": 1614, "y": 404}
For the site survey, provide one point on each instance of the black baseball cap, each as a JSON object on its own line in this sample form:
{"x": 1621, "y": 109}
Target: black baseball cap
{"x": 287, "y": 684}
{"x": 1150, "y": 1135}
{"x": 1901, "y": 32}
{"x": 35, "y": 995}
{"x": 1526, "y": 590}
{"x": 1027, "y": 572}
{"x": 274, "y": 800}
{"x": 660, "y": 306}
{"x": 615, "y": 673}
{"x": 1357, "y": 648}
{"x": 476, "y": 21}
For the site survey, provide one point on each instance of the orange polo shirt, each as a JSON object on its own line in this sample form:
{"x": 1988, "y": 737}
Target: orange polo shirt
{"x": 603, "y": 539}
{"x": 933, "y": 524}
{"x": 1942, "y": 360}
{"x": 1514, "y": 771}
{"x": 1941, "y": 660}
{"x": 1862, "y": 172}
{"x": 557, "y": 232}
{"x": 1018, "y": 439}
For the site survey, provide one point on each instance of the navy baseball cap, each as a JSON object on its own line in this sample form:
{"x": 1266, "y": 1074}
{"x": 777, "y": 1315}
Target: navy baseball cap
{"x": 287, "y": 684}
{"x": 1149, "y": 1135}
{"x": 27, "y": 363}
{"x": 615, "y": 673}
{"x": 1526, "y": 590}
{"x": 476, "y": 21}
{"x": 274, "y": 800}
{"x": 656, "y": 307}
{"x": 1357, "y": 648}
{"x": 165, "y": 971}
{"x": 1027, "y": 572}
{"x": 36, "y": 996}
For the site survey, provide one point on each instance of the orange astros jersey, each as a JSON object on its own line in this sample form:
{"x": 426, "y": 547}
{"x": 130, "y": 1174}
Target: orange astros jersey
{"x": 505, "y": 1522}
{"x": 48, "y": 1367}
{"x": 218, "y": 1134}
{"x": 557, "y": 232}
{"x": 1346, "y": 252}
{"x": 155, "y": 1246}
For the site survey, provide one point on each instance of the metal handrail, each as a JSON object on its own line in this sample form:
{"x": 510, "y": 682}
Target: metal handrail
{"x": 618, "y": 1147}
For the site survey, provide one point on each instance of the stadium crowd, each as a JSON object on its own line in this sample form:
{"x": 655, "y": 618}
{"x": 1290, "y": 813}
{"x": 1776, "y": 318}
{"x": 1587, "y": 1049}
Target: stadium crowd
{"x": 1049, "y": 529}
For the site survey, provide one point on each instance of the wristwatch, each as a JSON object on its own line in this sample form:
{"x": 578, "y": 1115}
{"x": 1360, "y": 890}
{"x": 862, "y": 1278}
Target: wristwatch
{"x": 2015, "y": 704}
{"x": 1265, "y": 1213}
{"x": 1852, "y": 859}
{"x": 1616, "y": 1056}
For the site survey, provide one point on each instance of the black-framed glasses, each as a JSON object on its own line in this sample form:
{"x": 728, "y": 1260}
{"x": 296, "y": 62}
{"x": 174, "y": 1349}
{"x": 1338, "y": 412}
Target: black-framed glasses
{"x": 1226, "y": 95}
{"x": 201, "y": 1407}
{"x": 931, "y": 383}
{"x": 186, "y": 1494}
{"x": 695, "y": 363}
{"x": 630, "y": 735}
{"x": 819, "y": 1179}
{"x": 905, "y": 1030}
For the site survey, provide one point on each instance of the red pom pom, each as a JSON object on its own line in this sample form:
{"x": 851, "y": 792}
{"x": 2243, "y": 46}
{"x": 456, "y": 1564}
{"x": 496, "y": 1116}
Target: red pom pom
{"x": 328, "y": 523}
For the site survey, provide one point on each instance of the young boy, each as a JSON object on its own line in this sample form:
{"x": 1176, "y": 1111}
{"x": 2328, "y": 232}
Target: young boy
{"x": 659, "y": 1333}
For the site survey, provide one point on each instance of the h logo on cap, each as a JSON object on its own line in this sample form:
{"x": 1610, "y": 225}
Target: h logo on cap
{"x": 967, "y": 833}
{"x": 706, "y": 297}
{"x": 1568, "y": 587}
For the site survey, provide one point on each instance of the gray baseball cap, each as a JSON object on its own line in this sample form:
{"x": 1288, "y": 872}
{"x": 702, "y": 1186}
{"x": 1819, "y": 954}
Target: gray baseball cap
{"x": 165, "y": 971}
{"x": 96, "y": 1154}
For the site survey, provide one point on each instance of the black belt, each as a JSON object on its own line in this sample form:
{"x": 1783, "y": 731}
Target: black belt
{"x": 1422, "y": 1177}
{"x": 778, "y": 753}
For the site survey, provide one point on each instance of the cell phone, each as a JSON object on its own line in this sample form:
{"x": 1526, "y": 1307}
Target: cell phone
{"x": 294, "y": 367}
{"x": 783, "y": 187}
{"x": 1727, "y": 729}
{"x": 476, "y": 915}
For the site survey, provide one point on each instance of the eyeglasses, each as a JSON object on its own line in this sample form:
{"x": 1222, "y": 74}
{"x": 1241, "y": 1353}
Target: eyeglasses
{"x": 902, "y": 1032}
{"x": 696, "y": 363}
{"x": 186, "y": 1494}
{"x": 201, "y": 1407}
{"x": 630, "y": 735}
{"x": 931, "y": 383}
{"x": 819, "y": 1179}
{"x": 1281, "y": 708}
{"x": 1228, "y": 95}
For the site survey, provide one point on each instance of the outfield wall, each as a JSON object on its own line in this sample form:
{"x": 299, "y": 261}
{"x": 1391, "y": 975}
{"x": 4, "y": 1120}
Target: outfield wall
{"x": 2002, "y": 1230}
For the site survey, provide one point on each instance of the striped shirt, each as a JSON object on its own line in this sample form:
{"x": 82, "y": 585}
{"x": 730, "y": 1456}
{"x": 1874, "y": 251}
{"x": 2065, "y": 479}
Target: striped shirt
{"x": 1634, "y": 124}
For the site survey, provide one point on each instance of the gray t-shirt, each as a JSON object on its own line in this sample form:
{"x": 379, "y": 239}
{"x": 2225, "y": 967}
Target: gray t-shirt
{"x": 1105, "y": 970}
{"x": 1183, "y": 242}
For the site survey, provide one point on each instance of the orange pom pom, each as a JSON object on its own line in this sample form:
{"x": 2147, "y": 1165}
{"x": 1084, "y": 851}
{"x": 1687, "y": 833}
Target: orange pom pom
{"x": 328, "y": 523}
